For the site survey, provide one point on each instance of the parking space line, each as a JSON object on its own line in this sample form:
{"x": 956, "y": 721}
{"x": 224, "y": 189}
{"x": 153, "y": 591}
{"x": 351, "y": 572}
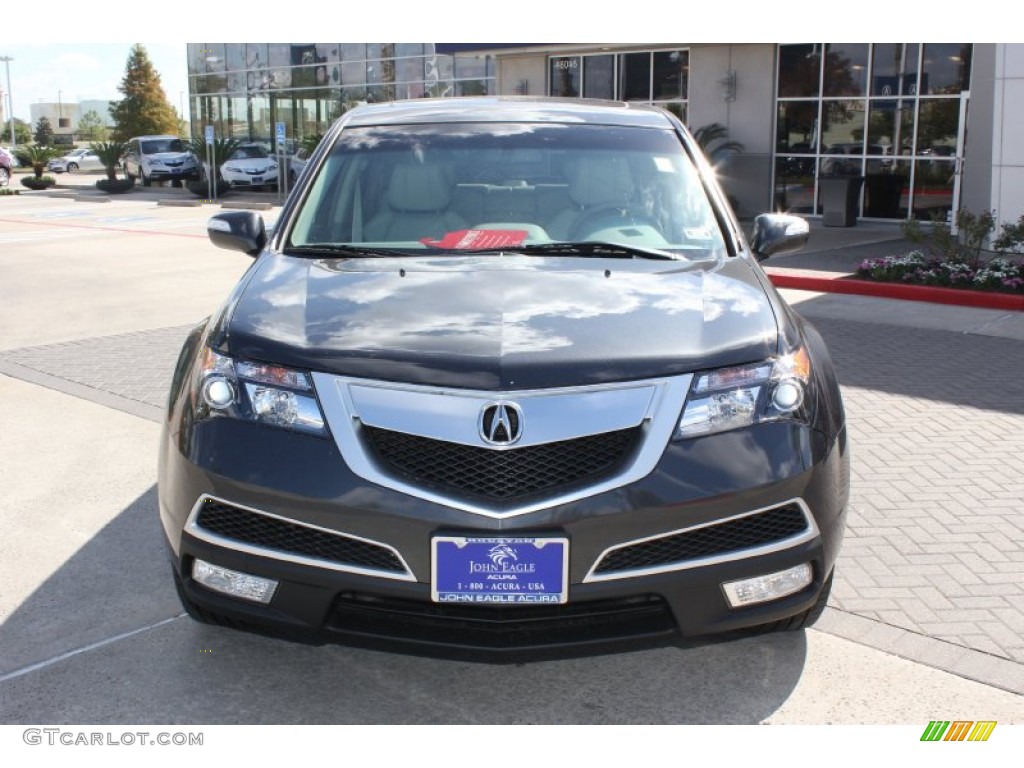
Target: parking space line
{"x": 85, "y": 649}
{"x": 121, "y": 230}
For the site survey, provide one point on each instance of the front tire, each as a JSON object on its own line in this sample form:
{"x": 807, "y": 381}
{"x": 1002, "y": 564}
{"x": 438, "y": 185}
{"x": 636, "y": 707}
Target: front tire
{"x": 72, "y": 167}
{"x": 146, "y": 181}
{"x": 5, "y": 177}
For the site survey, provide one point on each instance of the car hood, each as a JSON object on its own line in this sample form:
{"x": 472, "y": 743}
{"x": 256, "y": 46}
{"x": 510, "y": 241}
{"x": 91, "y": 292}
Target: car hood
{"x": 254, "y": 162}
{"x": 487, "y": 322}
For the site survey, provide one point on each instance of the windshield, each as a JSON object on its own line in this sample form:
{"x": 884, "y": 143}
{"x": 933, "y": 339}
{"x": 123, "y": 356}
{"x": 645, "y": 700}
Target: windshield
{"x": 248, "y": 153}
{"x": 491, "y": 186}
{"x": 153, "y": 146}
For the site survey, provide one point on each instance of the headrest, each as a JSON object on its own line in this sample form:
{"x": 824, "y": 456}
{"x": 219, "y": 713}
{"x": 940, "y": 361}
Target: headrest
{"x": 599, "y": 180}
{"x": 417, "y": 187}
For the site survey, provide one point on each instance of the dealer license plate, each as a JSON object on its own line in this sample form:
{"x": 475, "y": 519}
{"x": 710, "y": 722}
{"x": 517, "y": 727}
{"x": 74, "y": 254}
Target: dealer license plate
{"x": 500, "y": 570}
{"x": 257, "y": 179}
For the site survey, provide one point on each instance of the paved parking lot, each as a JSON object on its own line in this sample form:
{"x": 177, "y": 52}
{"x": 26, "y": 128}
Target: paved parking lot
{"x": 927, "y": 612}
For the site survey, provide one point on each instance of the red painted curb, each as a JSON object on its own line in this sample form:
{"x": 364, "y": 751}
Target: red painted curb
{"x": 952, "y": 296}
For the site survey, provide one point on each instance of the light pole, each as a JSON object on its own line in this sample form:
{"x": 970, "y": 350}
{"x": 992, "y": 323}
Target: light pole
{"x": 10, "y": 98}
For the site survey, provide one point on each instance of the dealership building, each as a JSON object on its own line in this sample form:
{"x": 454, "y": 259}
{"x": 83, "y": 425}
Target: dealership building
{"x": 916, "y": 129}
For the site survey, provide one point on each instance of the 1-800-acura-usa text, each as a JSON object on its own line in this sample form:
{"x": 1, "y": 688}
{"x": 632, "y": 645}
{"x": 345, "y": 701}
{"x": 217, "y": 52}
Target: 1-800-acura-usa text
{"x": 506, "y": 377}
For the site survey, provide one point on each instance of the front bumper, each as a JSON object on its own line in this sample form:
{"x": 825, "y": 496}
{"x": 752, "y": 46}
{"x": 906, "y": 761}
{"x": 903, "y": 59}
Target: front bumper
{"x": 304, "y": 482}
{"x": 170, "y": 174}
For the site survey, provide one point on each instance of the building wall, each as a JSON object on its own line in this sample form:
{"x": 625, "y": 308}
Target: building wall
{"x": 1007, "y": 136}
{"x": 976, "y": 181}
{"x": 746, "y": 110}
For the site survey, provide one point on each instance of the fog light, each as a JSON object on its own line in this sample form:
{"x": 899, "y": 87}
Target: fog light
{"x": 233, "y": 583}
{"x": 771, "y": 586}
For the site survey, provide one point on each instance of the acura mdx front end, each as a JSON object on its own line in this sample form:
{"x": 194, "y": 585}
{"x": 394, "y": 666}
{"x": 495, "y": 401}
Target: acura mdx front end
{"x": 506, "y": 378}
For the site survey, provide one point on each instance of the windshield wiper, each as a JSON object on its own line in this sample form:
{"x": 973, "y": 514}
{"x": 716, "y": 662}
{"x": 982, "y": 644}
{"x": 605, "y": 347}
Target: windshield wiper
{"x": 589, "y": 248}
{"x": 331, "y": 249}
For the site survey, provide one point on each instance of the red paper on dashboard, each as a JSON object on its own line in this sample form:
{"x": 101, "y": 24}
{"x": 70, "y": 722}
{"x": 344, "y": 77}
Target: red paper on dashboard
{"x": 478, "y": 239}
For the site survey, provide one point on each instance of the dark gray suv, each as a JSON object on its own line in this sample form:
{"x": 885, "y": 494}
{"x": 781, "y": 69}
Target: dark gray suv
{"x": 506, "y": 378}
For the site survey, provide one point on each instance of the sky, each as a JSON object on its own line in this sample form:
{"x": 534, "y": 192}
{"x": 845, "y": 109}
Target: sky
{"x": 72, "y": 72}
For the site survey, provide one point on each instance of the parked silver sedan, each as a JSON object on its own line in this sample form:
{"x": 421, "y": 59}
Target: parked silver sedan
{"x": 80, "y": 159}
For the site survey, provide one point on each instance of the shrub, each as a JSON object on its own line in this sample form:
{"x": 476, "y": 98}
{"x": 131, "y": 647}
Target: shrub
{"x": 202, "y": 188}
{"x": 42, "y": 182}
{"x": 115, "y": 186}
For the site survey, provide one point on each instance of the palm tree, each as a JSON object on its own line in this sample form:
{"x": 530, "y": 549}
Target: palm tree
{"x": 714, "y": 140}
{"x": 110, "y": 154}
{"x": 38, "y": 156}
{"x": 222, "y": 149}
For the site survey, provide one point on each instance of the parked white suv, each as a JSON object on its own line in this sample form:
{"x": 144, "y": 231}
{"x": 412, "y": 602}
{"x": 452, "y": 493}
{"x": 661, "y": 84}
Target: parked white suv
{"x": 159, "y": 158}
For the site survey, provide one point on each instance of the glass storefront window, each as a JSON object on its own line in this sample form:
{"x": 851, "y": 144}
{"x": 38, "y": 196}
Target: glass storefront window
{"x": 799, "y": 70}
{"x": 946, "y": 68}
{"x": 891, "y": 127}
{"x": 635, "y": 77}
{"x": 797, "y": 127}
{"x": 933, "y": 189}
{"x": 842, "y": 129}
{"x": 647, "y": 76}
{"x": 599, "y": 77}
{"x": 565, "y": 76}
{"x": 353, "y": 73}
{"x": 937, "y": 125}
{"x": 902, "y": 134}
{"x": 671, "y": 71}
{"x": 894, "y": 69}
{"x": 794, "y": 184}
{"x": 846, "y": 69}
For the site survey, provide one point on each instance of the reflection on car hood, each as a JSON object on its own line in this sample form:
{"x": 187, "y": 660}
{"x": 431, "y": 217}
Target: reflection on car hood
{"x": 500, "y": 323}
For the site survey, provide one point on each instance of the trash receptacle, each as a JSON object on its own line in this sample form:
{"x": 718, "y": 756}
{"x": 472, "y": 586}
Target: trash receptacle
{"x": 883, "y": 193}
{"x": 840, "y": 196}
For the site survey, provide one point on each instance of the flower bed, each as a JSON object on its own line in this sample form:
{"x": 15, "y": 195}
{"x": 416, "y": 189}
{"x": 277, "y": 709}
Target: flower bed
{"x": 1000, "y": 274}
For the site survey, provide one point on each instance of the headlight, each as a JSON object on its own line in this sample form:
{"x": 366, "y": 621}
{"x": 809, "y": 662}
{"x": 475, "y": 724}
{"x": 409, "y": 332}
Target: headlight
{"x": 269, "y": 394}
{"x": 272, "y": 167}
{"x": 730, "y": 398}
{"x": 155, "y": 163}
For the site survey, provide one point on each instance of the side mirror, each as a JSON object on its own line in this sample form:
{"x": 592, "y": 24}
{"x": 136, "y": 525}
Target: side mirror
{"x": 238, "y": 231}
{"x": 778, "y": 233}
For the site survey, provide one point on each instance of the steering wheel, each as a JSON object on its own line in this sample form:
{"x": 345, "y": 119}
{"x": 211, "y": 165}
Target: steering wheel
{"x": 616, "y": 215}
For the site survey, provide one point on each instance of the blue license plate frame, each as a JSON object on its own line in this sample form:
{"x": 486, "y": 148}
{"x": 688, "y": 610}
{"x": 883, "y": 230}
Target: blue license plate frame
{"x": 500, "y": 570}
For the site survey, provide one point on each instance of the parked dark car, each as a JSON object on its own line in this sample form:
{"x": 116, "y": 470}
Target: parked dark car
{"x": 506, "y": 378}
{"x": 6, "y": 162}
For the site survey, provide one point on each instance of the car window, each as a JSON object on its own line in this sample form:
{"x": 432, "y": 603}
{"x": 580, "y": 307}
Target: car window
{"x": 153, "y": 146}
{"x": 419, "y": 186}
{"x": 248, "y": 153}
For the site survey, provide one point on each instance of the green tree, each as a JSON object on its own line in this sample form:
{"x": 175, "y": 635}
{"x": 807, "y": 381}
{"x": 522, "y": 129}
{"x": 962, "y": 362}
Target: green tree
{"x": 22, "y": 132}
{"x": 144, "y": 110}
{"x": 44, "y": 132}
{"x": 91, "y": 126}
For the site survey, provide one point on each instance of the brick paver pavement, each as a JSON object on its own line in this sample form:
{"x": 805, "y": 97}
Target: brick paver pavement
{"x": 935, "y": 544}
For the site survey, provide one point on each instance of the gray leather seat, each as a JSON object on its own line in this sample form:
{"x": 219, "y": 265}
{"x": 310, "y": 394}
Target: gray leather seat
{"x": 601, "y": 182}
{"x": 416, "y": 206}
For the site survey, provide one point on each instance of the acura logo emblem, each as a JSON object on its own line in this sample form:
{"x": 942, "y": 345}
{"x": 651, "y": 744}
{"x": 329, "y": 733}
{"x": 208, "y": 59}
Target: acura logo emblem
{"x": 501, "y": 423}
